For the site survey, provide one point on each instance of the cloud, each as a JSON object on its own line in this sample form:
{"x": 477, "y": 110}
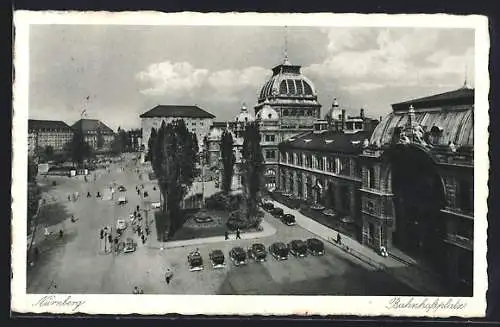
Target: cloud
{"x": 182, "y": 79}
{"x": 396, "y": 58}
{"x": 173, "y": 79}
{"x": 361, "y": 87}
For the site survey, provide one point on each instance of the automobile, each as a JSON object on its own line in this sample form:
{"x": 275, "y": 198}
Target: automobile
{"x": 122, "y": 200}
{"x": 298, "y": 248}
{"x": 279, "y": 250}
{"x": 288, "y": 219}
{"x": 121, "y": 225}
{"x": 122, "y": 188}
{"x": 203, "y": 219}
{"x": 257, "y": 251}
{"x": 268, "y": 206}
{"x": 238, "y": 256}
{"x": 277, "y": 212}
{"x": 315, "y": 246}
{"x": 156, "y": 205}
{"x": 217, "y": 258}
{"x": 195, "y": 261}
{"x": 130, "y": 245}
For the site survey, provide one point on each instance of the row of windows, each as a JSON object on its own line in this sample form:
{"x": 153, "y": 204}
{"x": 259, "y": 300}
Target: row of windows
{"x": 337, "y": 165}
{"x": 270, "y": 138}
{"x": 299, "y": 112}
{"x": 270, "y": 154}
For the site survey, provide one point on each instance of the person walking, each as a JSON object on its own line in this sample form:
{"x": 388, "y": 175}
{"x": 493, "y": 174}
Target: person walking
{"x": 168, "y": 275}
{"x": 339, "y": 239}
{"x": 238, "y": 237}
{"x": 226, "y": 235}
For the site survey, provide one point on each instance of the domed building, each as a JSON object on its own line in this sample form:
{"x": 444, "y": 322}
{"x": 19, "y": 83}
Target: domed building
{"x": 417, "y": 188}
{"x": 287, "y": 105}
{"x": 292, "y": 96}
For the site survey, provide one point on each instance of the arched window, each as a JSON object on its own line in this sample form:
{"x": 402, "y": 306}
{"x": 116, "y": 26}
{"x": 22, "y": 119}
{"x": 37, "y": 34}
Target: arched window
{"x": 371, "y": 177}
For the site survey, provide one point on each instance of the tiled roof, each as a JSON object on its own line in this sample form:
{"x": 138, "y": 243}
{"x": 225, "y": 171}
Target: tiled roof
{"x": 92, "y": 125}
{"x": 463, "y": 95}
{"x": 177, "y": 111}
{"x": 47, "y": 124}
{"x": 329, "y": 141}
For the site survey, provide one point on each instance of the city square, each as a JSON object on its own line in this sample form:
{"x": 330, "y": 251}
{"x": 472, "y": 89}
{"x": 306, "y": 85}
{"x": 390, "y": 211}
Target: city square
{"x": 134, "y": 188}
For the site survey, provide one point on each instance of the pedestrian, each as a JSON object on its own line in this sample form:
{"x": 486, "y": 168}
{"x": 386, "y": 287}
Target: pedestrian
{"x": 88, "y": 194}
{"x": 168, "y": 275}
{"x": 226, "y": 235}
{"x": 143, "y": 238}
{"x": 136, "y": 290}
{"x": 69, "y": 198}
{"x": 238, "y": 234}
{"x": 36, "y": 254}
{"x": 60, "y": 233}
{"x": 137, "y": 207}
{"x": 147, "y": 230}
{"x": 339, "y": 239}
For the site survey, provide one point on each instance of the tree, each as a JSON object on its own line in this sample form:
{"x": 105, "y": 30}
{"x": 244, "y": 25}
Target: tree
{"x": 48, "y": 152}
{"x": 32, "y": 170}
{"x": 151, "y": 142}
{"x": 206, "y": 153}
{"x": 100, "y": 139}
{"x": 174, "y": 154}
{"x": 252, "y": 167}
{"x": 78, "y": 148}
{"x": 228, "y": 160}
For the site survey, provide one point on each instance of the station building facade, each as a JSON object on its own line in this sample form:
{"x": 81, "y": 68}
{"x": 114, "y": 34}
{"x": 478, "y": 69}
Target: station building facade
{"x": 417, "y": 190}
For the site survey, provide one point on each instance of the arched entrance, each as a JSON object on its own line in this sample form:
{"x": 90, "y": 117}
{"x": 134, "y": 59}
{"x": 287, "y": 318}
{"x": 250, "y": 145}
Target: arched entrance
{"x": 418, "y": 197}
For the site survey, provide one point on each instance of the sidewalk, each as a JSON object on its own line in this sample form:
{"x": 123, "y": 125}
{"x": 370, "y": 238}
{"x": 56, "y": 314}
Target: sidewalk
{"x": 399, "y": 269}
{"x": 153, "y": 242}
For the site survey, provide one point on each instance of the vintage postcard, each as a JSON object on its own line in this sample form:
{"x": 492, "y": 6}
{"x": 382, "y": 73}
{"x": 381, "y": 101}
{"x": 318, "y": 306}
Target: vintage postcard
{"x": 241, "y": 164}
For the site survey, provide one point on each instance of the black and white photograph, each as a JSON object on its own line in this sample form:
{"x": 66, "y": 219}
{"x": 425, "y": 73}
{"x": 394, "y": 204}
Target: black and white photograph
{"x": 293, "y": 164}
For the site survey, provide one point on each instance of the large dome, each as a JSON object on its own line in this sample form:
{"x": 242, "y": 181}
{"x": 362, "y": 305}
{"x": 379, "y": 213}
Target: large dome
{"x": 287, "y": 81}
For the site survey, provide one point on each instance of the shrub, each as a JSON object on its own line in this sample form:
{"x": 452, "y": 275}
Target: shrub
{"x": 238, "y": 220}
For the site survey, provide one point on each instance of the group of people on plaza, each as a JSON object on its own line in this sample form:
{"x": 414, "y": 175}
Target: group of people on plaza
{"x": 238, "y": 234}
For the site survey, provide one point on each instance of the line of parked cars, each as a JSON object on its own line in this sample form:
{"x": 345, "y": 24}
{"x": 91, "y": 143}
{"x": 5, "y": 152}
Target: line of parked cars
{"x": 258, "y": 253}
{"x": 286, "y": 218}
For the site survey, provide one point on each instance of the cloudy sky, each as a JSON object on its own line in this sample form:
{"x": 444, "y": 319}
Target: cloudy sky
{"x": 118, "y": 72}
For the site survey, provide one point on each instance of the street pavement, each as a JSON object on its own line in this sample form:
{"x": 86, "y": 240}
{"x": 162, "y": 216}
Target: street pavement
{"x": 78, "y": 264}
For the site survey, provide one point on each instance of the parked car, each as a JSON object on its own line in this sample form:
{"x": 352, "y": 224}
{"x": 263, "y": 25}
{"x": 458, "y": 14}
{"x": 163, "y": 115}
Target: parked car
{"x": 217, "y": 258}
{"x": 277, "y": 212}
{"x": 315, "y": 246}
{"x": 288, "y": 219}
{"x": 121, "y": 225}
{"x": 238, "y": 256}
{"x": 279, "y": 250}
{"x": 130, "y": 245}
{"x": 122, "y": 200}
{"x": 122, "y": 188}
{"x": 298, "y": 248}
{"x": 203, "y": 219}
{"x": 257, "y": 252}
{"x": 195, "y": 261}
{"x": 268, "y": 206}
{"x": 156, "y": 205}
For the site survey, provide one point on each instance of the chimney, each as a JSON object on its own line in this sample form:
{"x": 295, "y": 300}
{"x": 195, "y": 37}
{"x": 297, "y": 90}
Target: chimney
{"x": 342, "y": 119}
{"x": 362, "y": 113}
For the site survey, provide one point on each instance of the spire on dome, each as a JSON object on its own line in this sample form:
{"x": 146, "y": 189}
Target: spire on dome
{"x": 285, "y": 59}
